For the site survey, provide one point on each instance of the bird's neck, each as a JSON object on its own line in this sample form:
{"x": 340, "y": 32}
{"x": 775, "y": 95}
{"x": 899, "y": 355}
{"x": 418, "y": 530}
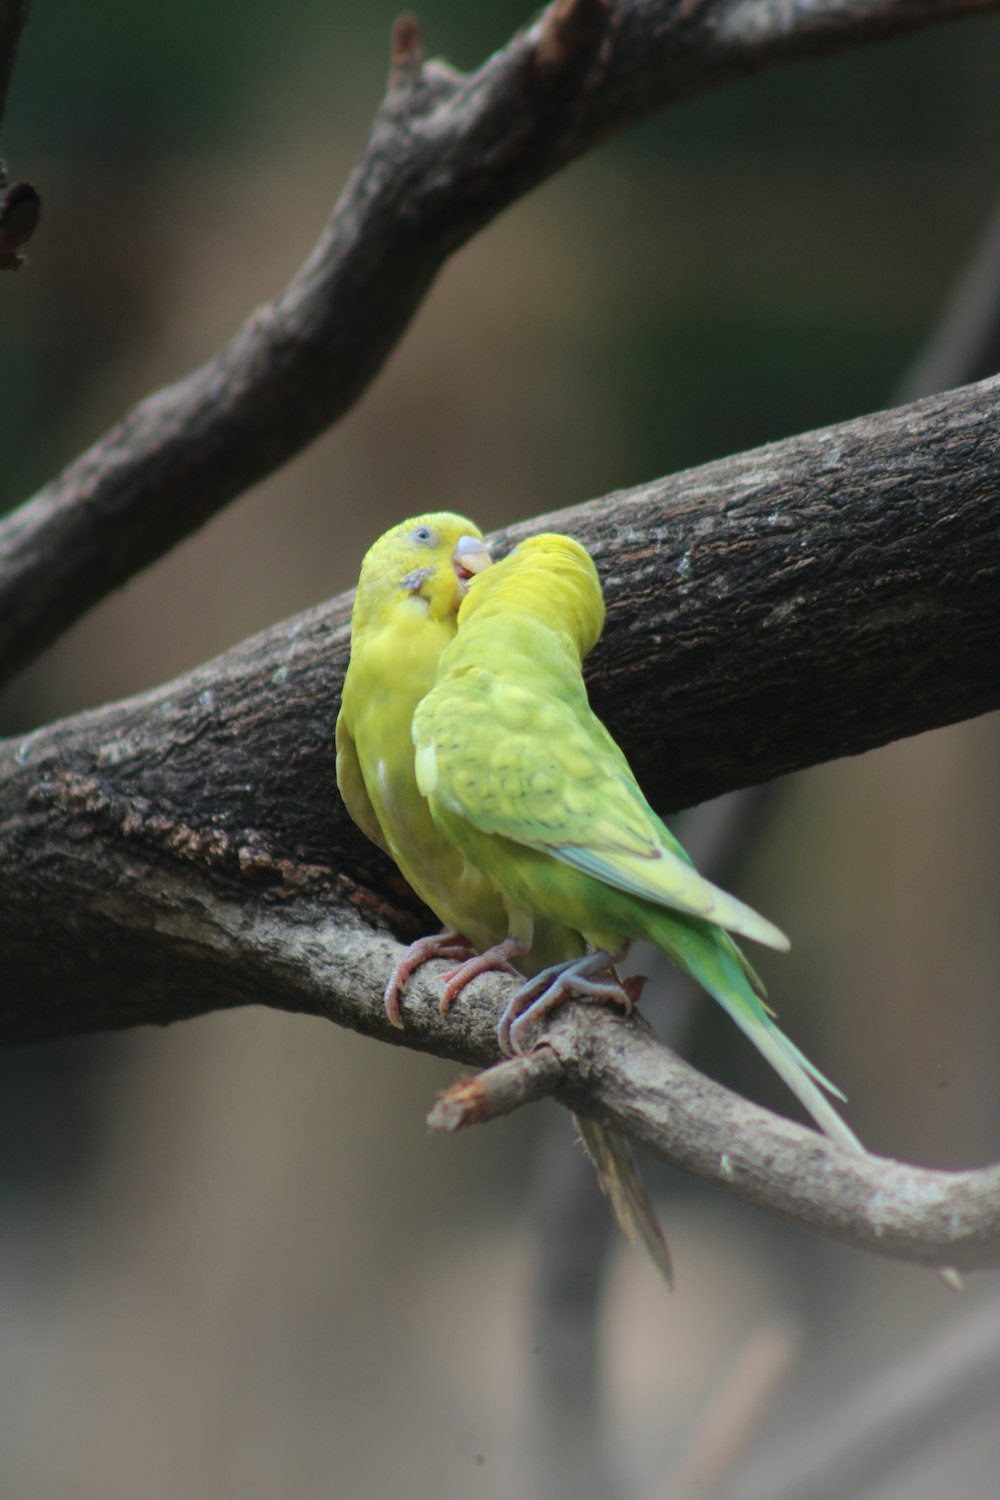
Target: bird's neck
{"x": 528, "y": 627}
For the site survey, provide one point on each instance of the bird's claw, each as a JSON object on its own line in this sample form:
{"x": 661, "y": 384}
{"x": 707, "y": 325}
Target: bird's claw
{"x": 495, "y": 960}
{"x": 546, "y": 991}
{"x": 442, "y": 945}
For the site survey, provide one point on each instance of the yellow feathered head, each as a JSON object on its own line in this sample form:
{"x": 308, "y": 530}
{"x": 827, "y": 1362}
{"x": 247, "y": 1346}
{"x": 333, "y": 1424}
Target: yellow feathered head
{"x": 428, "y": 558}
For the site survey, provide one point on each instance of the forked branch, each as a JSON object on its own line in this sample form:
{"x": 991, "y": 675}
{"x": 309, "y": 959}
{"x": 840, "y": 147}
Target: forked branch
{"x": 446, "y": 154}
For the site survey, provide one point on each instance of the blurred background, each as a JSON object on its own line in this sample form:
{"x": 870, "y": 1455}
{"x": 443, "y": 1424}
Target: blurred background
{"x": 233, "y": 1263}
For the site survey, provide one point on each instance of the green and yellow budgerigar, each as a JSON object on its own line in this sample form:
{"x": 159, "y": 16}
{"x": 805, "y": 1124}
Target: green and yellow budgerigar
{"x": 527, "y": 785}
{"x": 413, "y": 580}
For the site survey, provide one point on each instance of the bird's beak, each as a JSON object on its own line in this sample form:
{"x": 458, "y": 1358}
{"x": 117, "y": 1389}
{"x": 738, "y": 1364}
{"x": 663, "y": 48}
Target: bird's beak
{"x": 471, "y": 556}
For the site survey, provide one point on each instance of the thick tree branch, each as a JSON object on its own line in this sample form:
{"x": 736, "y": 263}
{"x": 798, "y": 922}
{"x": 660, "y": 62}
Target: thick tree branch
{"x": 212, "y": 950}
{"x": 805, "y": 601}
{"x": 447, "y": 153}
{"x": 656, "y": 1099}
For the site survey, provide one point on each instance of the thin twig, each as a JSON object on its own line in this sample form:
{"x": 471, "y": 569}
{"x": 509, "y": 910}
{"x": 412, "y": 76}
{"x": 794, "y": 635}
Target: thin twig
{"x": 496, "y": 1091}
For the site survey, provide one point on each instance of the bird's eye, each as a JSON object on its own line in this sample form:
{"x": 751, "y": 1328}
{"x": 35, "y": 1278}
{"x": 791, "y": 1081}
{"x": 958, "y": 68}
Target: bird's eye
{"x": 425, "y": 536}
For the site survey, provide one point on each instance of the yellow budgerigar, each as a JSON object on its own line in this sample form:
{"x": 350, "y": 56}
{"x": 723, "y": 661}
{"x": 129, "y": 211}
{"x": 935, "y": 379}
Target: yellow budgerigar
{"x": 527, "y": 785}
{"x": 413, "y": 580}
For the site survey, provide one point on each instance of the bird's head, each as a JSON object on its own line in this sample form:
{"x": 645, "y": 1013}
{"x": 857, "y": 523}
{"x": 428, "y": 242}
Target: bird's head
{"x": 429, "y": 559}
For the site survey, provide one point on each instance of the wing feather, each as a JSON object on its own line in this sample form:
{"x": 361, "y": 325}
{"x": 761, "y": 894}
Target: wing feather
{"x": 352, "y": 787}
{"x": 536, "y": 771}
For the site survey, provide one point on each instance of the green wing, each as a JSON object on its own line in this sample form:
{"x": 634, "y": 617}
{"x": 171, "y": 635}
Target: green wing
{"x": 544, "y": 772}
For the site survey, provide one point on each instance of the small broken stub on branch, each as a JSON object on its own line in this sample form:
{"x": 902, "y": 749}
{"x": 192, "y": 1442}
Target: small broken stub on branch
{"x": 567, "y": 31}
{"x": 20, "y": 207}
{"x": 406, "y": 49}
{"x": 497, "y": 1091}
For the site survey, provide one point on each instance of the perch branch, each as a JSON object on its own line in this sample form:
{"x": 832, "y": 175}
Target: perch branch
{"x": 809, "y": 600}
{"x": 446, "y": 154}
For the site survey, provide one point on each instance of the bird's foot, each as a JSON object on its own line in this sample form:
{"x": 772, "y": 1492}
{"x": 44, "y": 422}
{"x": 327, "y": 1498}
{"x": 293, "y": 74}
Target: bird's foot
{"x": 496, "y": 960}
{"x": 441, "y": 945}
{"x": 545, "y": 991}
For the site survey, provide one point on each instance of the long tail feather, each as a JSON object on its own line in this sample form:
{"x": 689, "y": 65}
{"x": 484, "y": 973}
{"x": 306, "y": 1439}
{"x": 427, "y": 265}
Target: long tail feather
{"x": 784, "y": 1056}
{"x": 621, "y": 1184}
{"x": 713, "y": 960}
